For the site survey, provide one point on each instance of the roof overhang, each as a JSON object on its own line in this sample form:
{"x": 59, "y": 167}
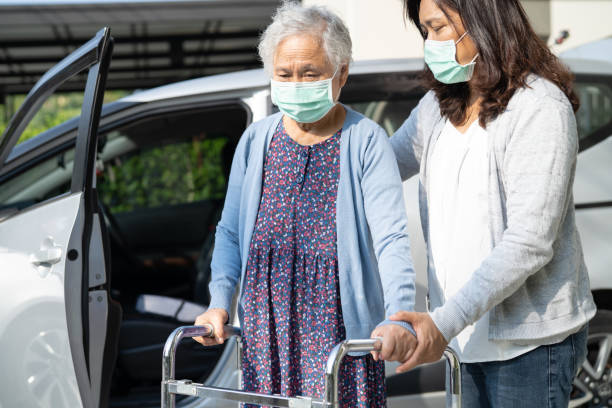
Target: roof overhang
{"x": 156, "y": 42}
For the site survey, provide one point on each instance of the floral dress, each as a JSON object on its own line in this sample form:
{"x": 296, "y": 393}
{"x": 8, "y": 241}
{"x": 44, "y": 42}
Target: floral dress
{"x": 291, "y": 300}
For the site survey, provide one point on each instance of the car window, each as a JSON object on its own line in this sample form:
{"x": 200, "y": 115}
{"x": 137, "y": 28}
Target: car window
{"x": 47, "y": 179}
{"x": 595, "y": 111}
{"x": 185, "y": 170}
{"x": 56, "y": 110}
{"x": 593, "y": 185}
{"x": 59, "y": 108}
{"x": 50, "y": 177}
{"x": 390, "y": 114}
{"x": 52, "y": 101}
{"x": 168, "y": 160}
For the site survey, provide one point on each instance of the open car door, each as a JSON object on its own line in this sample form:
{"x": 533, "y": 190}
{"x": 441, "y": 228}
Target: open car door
{"x": 55, "y": 308}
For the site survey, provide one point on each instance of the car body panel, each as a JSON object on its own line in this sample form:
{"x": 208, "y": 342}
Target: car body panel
{"x": 593, "y": 196}
{"x": 46, "y": 253}
{"x": 33, "y": 330}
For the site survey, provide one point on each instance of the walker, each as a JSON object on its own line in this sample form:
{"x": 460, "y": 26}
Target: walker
{"x": 170, "y": 387}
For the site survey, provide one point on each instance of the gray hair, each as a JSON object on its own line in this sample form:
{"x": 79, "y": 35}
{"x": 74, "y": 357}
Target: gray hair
{"x": 292, "y": 18}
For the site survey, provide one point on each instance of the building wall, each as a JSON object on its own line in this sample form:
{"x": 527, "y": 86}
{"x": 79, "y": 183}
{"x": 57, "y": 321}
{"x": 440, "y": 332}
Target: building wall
{"x": 539, "y": 14}
{"x": 586, "y": 21}
{"x": 378, "y": 29}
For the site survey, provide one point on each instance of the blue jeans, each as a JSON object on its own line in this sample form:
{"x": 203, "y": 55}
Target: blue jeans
{"x": 541, "y": 378}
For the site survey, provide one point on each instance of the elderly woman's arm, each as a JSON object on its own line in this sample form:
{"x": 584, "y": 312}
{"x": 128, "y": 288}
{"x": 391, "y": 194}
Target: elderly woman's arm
{"x": 226, "y": 263}
{"x": 386, "y": 215}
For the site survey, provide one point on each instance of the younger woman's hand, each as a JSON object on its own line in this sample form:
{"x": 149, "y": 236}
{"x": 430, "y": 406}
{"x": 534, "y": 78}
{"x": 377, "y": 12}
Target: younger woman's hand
{"x": 398, "y": 343}
{"x": 431, "y": 342}
{"x": 217, "y": 318}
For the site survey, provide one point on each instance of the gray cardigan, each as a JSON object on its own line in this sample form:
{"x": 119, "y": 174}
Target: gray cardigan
{"x": 534, "y": 281}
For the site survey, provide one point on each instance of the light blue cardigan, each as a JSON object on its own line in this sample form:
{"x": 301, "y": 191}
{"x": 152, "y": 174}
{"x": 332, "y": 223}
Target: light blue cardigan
{"x": 370, "y": 219}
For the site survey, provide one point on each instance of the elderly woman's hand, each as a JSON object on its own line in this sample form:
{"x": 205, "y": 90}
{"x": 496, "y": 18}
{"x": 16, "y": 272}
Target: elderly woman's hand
{"x": 398, "y": 343}
{"x": 217, "y": 318}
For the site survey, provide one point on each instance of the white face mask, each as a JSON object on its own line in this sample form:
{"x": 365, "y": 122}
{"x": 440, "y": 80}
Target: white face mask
{"x": 304, "y": 102}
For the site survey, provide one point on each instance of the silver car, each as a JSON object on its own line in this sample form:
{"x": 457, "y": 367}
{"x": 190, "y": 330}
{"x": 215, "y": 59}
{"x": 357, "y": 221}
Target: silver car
{"x": 107, "y": 221}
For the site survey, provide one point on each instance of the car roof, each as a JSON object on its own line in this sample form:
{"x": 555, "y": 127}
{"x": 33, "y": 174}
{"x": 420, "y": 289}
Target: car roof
{"x": 247, "y": 80}
{"x": 593, "y": 57}
{"x": 257, "y": 78}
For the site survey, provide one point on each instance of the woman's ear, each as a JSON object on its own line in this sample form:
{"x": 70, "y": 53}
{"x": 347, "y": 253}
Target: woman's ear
{"x": 343, "y": 77}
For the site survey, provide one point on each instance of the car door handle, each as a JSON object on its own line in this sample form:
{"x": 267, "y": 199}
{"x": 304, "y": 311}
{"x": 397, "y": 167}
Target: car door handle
{"x": 48, "y": 254}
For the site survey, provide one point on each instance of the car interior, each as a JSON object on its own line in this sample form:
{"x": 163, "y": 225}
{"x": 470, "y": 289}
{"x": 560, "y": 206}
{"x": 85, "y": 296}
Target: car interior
{"x": 161, "y": 181}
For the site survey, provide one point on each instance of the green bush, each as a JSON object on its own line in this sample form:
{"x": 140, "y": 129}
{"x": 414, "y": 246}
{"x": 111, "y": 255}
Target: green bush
{"x": 56, "y": 110}
{"x": 167, "y": 175}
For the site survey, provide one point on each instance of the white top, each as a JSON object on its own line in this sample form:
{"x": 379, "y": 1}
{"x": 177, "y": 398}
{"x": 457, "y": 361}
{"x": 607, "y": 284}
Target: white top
{"x": 460, "y": 237}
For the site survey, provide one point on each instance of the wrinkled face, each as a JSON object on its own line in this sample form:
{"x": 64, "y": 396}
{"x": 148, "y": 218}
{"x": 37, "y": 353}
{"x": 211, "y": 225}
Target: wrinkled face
{"x": 302, "y": 58}
{"x": 439, "y": 27}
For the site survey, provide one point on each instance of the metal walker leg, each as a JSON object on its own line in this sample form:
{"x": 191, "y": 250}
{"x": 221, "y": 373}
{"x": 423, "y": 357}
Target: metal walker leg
{"x": 455, "y": 376}
{"x": 170, "y": 387}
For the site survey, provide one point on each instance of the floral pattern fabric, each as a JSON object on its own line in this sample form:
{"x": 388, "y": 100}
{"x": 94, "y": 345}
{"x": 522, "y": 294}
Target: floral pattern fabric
{"x": 292, "y": 311}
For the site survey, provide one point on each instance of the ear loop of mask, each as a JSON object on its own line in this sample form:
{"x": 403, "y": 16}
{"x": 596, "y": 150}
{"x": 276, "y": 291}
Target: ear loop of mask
{"x": 461, "y": 38}
{"x": 331, "y": 85}
{"x": 335, "y": 72}
{"x": 457, "y": 42}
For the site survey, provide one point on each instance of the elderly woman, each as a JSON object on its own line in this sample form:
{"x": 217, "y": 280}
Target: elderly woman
{"x": 300, "y": 178}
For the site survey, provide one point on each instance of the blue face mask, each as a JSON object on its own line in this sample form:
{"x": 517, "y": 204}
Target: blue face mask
{"x": 440, "y": 57}
{"x": 304, "y": 102}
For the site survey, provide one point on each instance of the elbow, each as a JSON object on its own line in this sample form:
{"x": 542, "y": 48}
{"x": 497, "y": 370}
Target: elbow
{"x": 224, "y": 234}
{"x": 395, "y": 241}
{"x": 530, "y": 248}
